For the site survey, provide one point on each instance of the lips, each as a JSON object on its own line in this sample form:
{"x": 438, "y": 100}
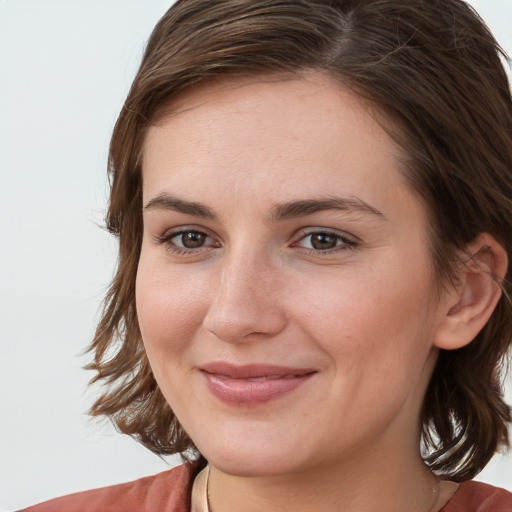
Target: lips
{"x": 252, "y": 384}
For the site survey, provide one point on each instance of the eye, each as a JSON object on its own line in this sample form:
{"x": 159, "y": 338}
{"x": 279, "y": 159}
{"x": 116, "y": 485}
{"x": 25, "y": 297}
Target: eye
{"x": 186, "y": 241}
{"x": 325, "y": 241}
{"x": 190, "y": 239}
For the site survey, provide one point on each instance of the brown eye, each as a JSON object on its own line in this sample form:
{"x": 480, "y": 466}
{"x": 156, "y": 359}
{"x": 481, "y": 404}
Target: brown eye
{"x": 324, "y": 241}
{"x": 190, "y": 239}
{"x": 187, "y": 242}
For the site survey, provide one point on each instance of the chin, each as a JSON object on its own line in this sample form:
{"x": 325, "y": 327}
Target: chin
{"x": 255, "y": 459}
{"x": 249, "y": 466}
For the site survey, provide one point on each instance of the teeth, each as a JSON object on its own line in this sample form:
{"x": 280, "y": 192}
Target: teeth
{"x": 270, "y": 377}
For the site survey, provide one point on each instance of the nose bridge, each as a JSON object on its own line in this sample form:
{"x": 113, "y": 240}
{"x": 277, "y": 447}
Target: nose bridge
{"x": 246, "y": 270}
{"x": 246, "y": 298}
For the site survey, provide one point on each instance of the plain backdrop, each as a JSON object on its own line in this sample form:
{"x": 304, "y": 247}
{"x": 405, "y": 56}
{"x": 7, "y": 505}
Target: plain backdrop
{"x": 65, "y": 69}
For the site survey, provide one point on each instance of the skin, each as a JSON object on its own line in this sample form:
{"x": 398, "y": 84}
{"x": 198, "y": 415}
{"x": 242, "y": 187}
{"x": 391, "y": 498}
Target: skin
{"x": 257, "y": 289}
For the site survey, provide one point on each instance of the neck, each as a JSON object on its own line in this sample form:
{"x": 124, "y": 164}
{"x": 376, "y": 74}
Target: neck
{"x": 388, "y": 482}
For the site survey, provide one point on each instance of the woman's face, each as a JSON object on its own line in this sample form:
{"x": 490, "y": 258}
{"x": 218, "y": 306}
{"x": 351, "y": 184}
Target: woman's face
{"x": 284, "y": 292}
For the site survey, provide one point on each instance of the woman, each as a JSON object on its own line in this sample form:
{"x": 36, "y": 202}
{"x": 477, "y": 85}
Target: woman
{"x": 312, "y": 303}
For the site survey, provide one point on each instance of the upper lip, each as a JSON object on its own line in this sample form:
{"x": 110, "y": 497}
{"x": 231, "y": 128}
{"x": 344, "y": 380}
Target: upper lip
{"x": 253, "y": 371}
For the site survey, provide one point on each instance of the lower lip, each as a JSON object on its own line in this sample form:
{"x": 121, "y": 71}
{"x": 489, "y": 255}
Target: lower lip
{"x": 249, "y": 392}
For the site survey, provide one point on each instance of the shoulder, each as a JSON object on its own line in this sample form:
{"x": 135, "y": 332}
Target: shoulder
{"x": 478, "y": 497}
{"x": 168, "y": 491}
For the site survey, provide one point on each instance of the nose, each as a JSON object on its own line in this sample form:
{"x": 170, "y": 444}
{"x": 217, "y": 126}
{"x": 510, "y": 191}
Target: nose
{"x": 246, "y": 300}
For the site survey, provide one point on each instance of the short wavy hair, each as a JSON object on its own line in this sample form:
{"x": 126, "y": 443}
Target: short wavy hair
{"x": 435, "y": 73}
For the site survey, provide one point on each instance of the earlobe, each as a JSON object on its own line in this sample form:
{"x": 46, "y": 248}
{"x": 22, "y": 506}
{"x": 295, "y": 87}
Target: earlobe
{"x": 471, "y": 303}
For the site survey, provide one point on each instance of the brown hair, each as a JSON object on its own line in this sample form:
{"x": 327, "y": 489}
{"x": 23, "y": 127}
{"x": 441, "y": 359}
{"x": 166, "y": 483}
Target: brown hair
{"x": 434, "y": 70}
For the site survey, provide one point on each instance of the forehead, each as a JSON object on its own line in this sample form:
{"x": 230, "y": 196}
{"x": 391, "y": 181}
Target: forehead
{"x": 298, "y": 136}
{"x": 315, "y": 91}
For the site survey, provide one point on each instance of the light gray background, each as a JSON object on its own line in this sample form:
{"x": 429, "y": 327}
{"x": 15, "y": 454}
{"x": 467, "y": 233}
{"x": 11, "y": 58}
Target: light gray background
{"x": 65, "y": 68}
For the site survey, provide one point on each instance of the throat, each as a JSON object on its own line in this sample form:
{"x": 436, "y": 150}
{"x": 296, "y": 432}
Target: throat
{"x": 214, "y": 491}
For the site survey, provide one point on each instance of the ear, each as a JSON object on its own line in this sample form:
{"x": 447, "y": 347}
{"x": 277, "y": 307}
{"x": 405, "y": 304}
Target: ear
{"x": 470, "y": 304}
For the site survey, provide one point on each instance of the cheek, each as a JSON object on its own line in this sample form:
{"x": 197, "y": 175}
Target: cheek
{"x": 378, "y": 339}
{"x": 372, "y": 318}
{"x": 170, "y": 309}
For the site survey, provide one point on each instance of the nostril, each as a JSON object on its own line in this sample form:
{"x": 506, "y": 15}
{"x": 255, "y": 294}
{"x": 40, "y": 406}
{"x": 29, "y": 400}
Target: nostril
{"x": 239, "y": 325}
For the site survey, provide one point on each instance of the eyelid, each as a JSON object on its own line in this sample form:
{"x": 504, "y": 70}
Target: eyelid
{"x": 303, "y": 232}
{"x": 349, "y": 241}
{"x": 166, "y": 239}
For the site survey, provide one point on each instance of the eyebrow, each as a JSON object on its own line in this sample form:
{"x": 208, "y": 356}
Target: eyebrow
{"x": 309, "y": 206}
{"x": 290, "y": 210}
{"x": 167, "y": 202}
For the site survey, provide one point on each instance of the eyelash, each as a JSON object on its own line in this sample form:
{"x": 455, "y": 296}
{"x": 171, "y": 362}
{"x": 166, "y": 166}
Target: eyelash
{"x": 345, "y": 242}
{"x": 166, "y": 240}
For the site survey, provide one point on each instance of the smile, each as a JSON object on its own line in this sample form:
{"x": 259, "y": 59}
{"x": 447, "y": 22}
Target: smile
{"x": 252, "y": 384}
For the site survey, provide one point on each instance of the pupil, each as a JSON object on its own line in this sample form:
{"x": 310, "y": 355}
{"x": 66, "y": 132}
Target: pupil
{"x": 323, "y": 241}
{"x": 193, "y": 239}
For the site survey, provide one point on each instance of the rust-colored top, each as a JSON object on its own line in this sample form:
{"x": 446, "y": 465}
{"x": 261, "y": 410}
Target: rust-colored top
{"x": 165, "y": 492}
{"x": 170, "y": 492}
{"x": 478, "y": 497}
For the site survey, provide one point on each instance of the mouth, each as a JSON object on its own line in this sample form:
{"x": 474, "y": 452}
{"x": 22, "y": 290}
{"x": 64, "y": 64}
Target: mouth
{"x": 250, "y": 385}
